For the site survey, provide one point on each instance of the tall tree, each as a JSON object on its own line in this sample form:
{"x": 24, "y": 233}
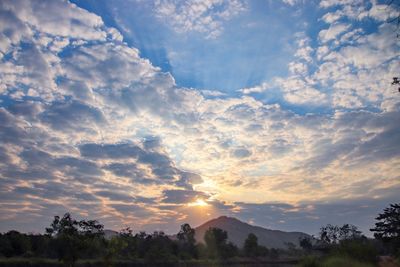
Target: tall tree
{"x": 251, "y": 245}
{"x": 187, "y": 242}
{"x": 217, "y": 245}
{"x": 387, "y": 228}
{"x": 72, "y": 238}
{"x": 215, "y": 239}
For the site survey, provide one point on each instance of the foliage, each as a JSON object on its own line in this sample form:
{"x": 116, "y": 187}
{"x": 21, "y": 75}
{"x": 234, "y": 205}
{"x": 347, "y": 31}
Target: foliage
{"x": 333, "y": 234}
{"x": 251, "y": 247}
{"x": 387, "y": 228}
{"x": 83, "y": 241}
{"x": 72, "y": 238}
{"x": 217, "y": 245}
{"x": 359, "y": 249}
{"x": 187, "y": 248}
{"x": 305, "y": 243}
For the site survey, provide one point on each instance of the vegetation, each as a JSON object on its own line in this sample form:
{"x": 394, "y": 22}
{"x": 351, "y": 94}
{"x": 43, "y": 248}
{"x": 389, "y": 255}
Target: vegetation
{"x": 69, "y": 242}
{"x": 387, "y": 228}
{"x": 217, "y": 245}
{"x": 252, "y": 249}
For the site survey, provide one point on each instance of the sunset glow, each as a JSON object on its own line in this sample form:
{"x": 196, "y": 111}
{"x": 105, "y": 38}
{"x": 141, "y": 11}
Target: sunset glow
{"x": 151, "y": 114}
{"x": 198, "y": 203}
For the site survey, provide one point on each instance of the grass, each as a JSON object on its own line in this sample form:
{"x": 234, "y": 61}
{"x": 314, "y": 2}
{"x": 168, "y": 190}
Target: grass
{"x": 333, "y": 261}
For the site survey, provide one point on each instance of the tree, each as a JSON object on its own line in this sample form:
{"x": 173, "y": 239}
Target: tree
{"x": 305, "y": 243}
{"x": 387, "y": 228}
{"x": 251, "y": 245}
{"x": 13, "y": 243}
{"x": 187, "y": 242}
{"x": 66, "y": 238}
{"x": 160, "y": 248}
{"x": 72, "y": 238}
{"x": 186, "y": 234}
{"x": 215, "y": 238}
{"x": 329, "y": 234}
{"x": 217, "y": 246}
{"x": 65, "y": 225}
{"x": 333, "y": 234}
{"x": 349, "y": 232}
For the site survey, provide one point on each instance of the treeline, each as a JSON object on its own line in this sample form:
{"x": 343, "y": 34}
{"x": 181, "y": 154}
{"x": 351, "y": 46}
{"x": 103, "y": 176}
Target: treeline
{"x": 342, "y": 246}
{"x": 68, "y": 240}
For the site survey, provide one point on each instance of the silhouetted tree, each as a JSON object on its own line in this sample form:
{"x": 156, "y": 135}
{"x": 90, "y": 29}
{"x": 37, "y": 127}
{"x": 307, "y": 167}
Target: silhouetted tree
{"x": 13, "y": 243}
{"x": 160, "y": 248}
{"x": 387, "y": 228}
{"x": 305, "y": 243}
{"x": 187, "y": 248}
{"x": 217, "y": 246}
{"x": 251, "y": 245}
{"x": 72, "y": 238}
{"x": 333, "y": 234}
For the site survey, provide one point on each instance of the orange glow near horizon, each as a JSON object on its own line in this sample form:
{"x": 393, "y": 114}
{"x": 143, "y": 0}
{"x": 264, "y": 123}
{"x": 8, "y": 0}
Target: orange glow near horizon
{"x": 198, "y": 203}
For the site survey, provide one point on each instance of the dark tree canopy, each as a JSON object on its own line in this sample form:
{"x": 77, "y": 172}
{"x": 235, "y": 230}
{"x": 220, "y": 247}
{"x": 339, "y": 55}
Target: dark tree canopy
{"x": 251, "y": 245}
{"x": 217, "y": 245}
{"x": 305, "y": 243}
{"x": 187, "y": 248}
{"x": 333, "y": 234}
{"x": 186, "y": 234}
{"x": 387, "y": 228}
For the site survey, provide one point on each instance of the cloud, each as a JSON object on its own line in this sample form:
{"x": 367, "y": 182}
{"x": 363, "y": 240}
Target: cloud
{"x": 182, "y": 196}
{"x": 206, "y": 17}
{"x": 71, "y": 116}
{"x": 310, "y": 216}
{"x": 333, "y": 32}
{"x": 88, "y": 125}
{"x": 72, "y": 21}
{"x": 290, "y": 2}
{"x": 331, "y": 3}
{"x": 241, "y": 153}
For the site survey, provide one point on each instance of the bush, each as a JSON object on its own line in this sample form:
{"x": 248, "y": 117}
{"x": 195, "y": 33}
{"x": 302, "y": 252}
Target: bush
{"x": 361, "y": 250}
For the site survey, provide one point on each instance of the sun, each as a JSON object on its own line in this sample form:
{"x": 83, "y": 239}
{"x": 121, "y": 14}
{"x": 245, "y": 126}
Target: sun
{"x": 198, "y": 203}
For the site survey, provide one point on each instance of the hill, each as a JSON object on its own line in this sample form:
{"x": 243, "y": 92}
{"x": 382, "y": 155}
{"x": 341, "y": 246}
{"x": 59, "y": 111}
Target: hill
{"x": 238, "y": 232}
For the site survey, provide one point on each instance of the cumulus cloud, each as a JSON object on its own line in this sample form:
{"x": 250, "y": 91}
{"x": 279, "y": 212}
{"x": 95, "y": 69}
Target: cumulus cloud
{"x": 333, "y": 32}
{"x": 87, "y": 125}
{"x": 205, "y": 17}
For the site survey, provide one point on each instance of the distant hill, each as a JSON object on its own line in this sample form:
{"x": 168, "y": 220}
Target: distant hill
{"x": 238, "y": 232}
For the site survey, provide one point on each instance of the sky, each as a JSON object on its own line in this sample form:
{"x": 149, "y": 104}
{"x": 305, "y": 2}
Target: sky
{"x": 150, "y": 114}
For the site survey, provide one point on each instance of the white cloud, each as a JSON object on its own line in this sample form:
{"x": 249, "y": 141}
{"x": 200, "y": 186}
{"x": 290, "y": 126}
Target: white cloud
{"x": 105, "y": 125}
{"x": 256, "y": 89}
{"x": 301, "y": 92}
{"x": 44, "y": 14}
{"x": 332, "y": 17}
{"x": 333, "y": 32}
{"x": 331, "y": 3}
{"x": 291, "y": 2}
{"x": 206, "y": 17}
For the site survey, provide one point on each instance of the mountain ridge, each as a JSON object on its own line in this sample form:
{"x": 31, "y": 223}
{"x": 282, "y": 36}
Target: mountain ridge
{"x": 238, "y": 232}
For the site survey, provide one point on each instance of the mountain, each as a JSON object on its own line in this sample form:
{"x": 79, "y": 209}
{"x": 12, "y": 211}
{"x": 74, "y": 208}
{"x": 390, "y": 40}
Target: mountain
{"x": 238, "y": 232}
